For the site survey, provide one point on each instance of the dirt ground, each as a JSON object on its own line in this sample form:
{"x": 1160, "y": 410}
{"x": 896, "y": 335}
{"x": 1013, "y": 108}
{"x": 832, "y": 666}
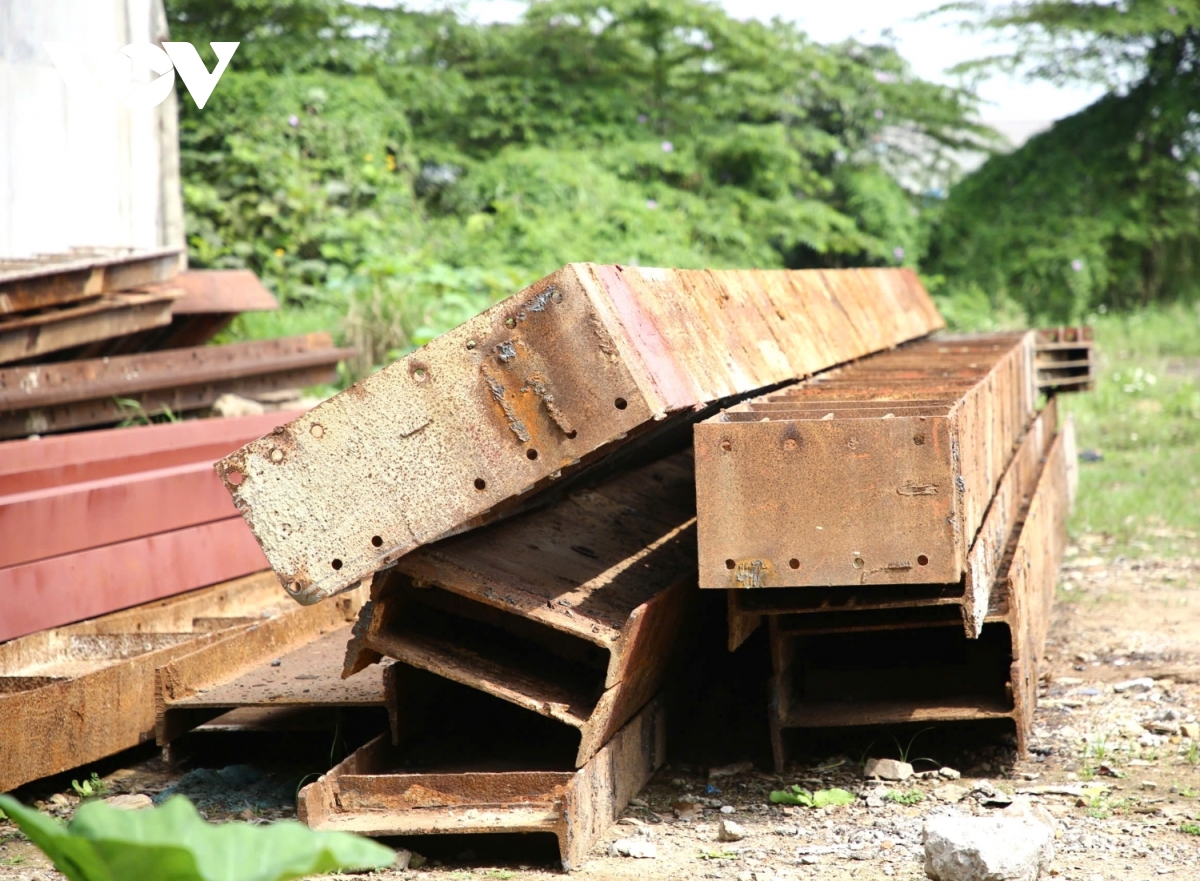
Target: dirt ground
{"x": 1112, "y": 765}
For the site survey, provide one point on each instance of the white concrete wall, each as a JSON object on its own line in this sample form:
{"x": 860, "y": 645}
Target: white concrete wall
{"x": 79, "y": 170}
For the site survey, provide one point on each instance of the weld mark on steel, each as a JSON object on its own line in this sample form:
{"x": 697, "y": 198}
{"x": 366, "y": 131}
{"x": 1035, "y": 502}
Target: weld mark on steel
{"x": 605, "y": 341}
{"x": 918, "y": 489}
{"x": 749, "y": 574}
{"x": 537, "y": 385}
{"x": 515, "y": 424}
{"x": 506, "y": 351}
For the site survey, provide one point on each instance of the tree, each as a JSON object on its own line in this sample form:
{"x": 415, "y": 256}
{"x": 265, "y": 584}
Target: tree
{"x": 1104, "y": 208}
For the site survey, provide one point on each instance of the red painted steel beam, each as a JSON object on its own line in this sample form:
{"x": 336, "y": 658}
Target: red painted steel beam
{"x": 61, "y": 520}
{"x": 61, "y": 590}
{"x": 26, "y": 465}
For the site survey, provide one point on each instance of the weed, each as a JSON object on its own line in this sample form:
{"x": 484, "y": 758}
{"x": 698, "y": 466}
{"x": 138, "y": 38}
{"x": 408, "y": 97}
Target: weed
{"x": 1192, "y": 755}
{"x": 822, "y": 798}
{"x": 906, "y": 750}
{"x": 1190, "y": 828}
{"x": 719, "y": 855}
{"x": 1097, "y": 749}
{"x": 1188, "y": 792}
{"x": 92, "y": 787}
{"x": 13, "y": 861}
{"x": 912, "y": 797}
{"x": 502, "y": 874}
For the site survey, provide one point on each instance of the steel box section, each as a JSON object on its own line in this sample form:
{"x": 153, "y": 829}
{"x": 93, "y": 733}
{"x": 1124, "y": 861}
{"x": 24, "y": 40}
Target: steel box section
{"x": 370, "y": 794}
{"x": 66, "y": 278}
{"x": 837, "y": 481}
{"x": 1066, "y": 360}
{"x": 76, "y": 694}
{"x": 574, "y": 611}
{"x": 917, "y": 664}
{"x": 550, "y": 380}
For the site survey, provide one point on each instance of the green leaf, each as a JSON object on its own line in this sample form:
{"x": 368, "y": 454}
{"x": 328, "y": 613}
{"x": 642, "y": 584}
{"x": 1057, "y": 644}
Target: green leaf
{"x": 173, "y": 843}
{"x": 824, "y": 798}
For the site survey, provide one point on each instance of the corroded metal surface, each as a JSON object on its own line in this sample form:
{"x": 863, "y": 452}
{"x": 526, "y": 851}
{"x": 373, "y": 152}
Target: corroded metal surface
{"x": 24, "y": 337}
{"x": 875, "y": 473}
{"x": 287, "y": 661}
{"x": 74, "y": 394}
{"x": 541, "y": 384}
{"x": 916, "y": 664}
{"x": 574, "y": 611}
{"x": 370, "y": 793}
{"x": 76, "y": 694}
{"x": 1066, "y": 360}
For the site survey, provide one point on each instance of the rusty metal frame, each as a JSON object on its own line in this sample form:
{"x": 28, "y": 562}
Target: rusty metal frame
{"x": 29, "y": 336}
{"x": 367, "y": 794}
{"x": 55, "y": 279}
{"x": 75, "y": 394}
{"x": 793, "y": 487}
{"x": 574, "y": 611}
{"x": 1016, "y": 623}
{"x": 77, "y": 694}
{"x": 539, "y": 386}
{"x": 292, "y": 660}
{"x": 72, "y": 587}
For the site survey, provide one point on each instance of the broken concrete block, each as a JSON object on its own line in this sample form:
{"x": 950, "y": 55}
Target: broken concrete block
{"x": 951, "y": 792}
{"x": 130, "y": 801}
{"x": 1144, "y": 683}
{"x": 962, "y": 848}
{"x": 888, "y": 769}
{"x": 639, "y": 848}
{"x": 730, "y": 831}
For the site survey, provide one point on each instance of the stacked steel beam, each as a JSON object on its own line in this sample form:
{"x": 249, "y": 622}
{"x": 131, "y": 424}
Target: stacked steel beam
{"x": 531, "y": 654}
{"x": 882, "y": 517}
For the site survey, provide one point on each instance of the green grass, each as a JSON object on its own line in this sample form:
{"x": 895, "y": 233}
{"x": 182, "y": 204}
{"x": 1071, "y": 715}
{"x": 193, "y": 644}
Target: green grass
{"x": 1144, "y": 418}
{"x": 911, "y": 797}
{"x": 1190, "y": 828}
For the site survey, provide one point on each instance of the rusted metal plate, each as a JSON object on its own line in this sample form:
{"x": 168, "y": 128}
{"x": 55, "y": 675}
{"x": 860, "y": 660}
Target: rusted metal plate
{"x": 56, "y": 397}
{"x": 574, "y": 611}
{"x": 29, "y": 336}
{"x": 372, "y": 793}
{"x": 835, "y": 481}
{"x": 55, "y": 279}
{"x": 72, "y": 587}
{"x": 292, "y": 660}
{"x": 62, "y": 520}
{"x": 48, "y": 462}
{"x": 1066, "y": 360}
{"x": 552, "y": 379}
{"x": 76, "y": 694}
{"x": 838, "y": 669}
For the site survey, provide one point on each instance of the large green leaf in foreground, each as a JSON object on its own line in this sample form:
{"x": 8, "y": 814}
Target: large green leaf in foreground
{"x": 173, "y": 843}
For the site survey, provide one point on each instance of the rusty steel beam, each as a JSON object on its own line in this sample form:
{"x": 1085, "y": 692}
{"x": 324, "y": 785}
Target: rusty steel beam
{"x": 55, "y": 279}
{"x": 48, "y": 462}
{"x": 377, "y": 792}
{"x": 917, "y": 664}
{"x": 971, "y": 597}
{"x": 550, "y": 380}
{"x": 76, "y": 694}
{"x": 56, "y": 397}
{"x": 574, "y": 611}
{"x": 30, "y": 336}
{"x": 292, "y": 660}
{"x": 1066, "y": 360}
{"x": 835, "y": 482}
{"x": 59, "y": 590}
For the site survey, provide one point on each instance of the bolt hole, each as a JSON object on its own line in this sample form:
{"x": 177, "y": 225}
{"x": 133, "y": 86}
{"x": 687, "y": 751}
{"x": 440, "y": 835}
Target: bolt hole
{"x": 480, "y": 484}
{"x": 471, "y": 344}
{"x": 572, "y": 434}
{"x": 317, "y": 431}
{"x": 235, "y": 478}
{"x": 726, "y": 446}
{"x": 729, "y": 564}
{"x": 377, "y": 540}
{"x": 336, "y": 564}
{"x": 794, "y": 563}
{"x": 419, "y": 374}
{"x": 556, "y": 296}
{"x": 922, "y": 560}
{"x": 858, "y": 563}
{"x": 620, "y": 403}
{"x": 790, "y": 444}
{"x": 510, "y": 322}
{"x": 531, "y": 454}
{"x": 919, "y": 439}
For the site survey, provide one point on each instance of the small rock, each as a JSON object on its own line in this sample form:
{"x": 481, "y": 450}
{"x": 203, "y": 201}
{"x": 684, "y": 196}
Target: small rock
{"x": 810, "y": 859}
{"x": 730, "y": 770}
{"x": 416, "y": 861}
{"x": 874, "y": 801}
{"x": 787, "y": 831}
{"x": 887, "y": 769}
{"x": 948, "y": 774}
{"x": 638, "y": 848}
{"x": 951, "y": 792}
{"x": 1143, "y": 683}
{"x": 229, "y": 406}
{"x": 630, "y": 821}
{"x": 730, "y": 831}
{"x": 130, "y": 801}
{"x": 726, "y": 809}
{"x": 1190, "y": 730}
{"x": 59, "y": 800}
{"x": 638, "y": 803}
{"x": 1149, "y": 784}
{"x": 404, "y": 859}
{"x": 962, "y": 848}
